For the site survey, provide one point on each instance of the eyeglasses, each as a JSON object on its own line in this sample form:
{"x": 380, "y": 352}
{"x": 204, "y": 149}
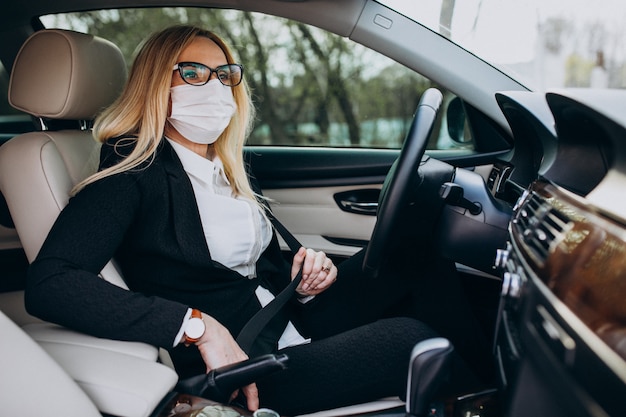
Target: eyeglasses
{"x": 194, "y": 73}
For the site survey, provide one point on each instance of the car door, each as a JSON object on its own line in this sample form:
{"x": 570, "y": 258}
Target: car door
{"x": 328, "y": 196}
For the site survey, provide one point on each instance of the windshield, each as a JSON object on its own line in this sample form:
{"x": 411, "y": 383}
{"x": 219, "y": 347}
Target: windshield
{"x": 541, "y": 43}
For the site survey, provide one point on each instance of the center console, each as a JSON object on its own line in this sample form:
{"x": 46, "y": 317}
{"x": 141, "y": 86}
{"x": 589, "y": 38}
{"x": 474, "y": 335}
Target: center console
{"x": 561, "y": 334}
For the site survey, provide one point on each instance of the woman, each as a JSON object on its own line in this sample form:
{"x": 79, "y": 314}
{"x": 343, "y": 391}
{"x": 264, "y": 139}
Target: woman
{"x": 172, "y": 203}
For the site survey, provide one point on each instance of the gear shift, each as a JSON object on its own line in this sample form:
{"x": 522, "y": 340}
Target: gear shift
{"x": 428, "y": 369}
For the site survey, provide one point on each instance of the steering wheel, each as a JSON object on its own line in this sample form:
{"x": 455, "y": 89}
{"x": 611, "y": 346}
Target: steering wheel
{"x": 396, "y": 186}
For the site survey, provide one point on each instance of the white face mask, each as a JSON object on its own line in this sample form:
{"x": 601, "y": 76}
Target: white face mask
{"x": 201, "y": 113}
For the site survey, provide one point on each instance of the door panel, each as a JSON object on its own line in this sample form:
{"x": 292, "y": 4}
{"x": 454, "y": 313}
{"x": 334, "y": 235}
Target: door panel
{"x": 313, "y": 216}
{"x": 302, "y": 184}
{"x": 305, "y": 167}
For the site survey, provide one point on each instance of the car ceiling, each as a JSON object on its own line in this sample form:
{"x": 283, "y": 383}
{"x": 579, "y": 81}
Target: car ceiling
{"x": 320, "y": 13}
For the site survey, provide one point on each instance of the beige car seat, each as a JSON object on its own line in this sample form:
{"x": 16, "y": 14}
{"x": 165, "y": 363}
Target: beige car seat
{"x": 67, "y": 77}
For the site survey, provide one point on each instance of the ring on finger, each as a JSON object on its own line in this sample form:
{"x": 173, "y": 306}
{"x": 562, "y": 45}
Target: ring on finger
{"x": 327, "y": 268}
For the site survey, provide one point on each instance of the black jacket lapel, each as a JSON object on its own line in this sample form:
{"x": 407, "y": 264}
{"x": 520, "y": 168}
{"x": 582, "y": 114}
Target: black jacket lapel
{"x": 186, "y": 221}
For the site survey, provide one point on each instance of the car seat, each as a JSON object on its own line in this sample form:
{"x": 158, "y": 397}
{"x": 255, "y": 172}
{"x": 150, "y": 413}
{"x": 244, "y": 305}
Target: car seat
{"x": 65, "y": 78}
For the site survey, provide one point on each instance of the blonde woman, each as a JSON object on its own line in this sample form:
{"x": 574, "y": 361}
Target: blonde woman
{"x": 172, "y": 203}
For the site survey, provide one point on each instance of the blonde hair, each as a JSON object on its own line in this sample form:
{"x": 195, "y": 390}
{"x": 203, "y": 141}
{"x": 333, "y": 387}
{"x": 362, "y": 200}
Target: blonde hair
{"x": 141, "y": 110}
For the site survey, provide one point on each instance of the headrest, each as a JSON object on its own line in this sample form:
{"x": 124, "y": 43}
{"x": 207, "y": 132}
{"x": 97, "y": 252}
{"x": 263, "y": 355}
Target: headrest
{"x": 61, "y": 74}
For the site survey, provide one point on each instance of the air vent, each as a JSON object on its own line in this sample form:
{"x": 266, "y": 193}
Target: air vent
{"x": 540, "y": 227}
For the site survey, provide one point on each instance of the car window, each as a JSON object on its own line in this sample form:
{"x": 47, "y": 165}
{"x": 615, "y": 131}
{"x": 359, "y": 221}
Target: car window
{"x": 545, "y": 44}
{"x": 310, "y": 87}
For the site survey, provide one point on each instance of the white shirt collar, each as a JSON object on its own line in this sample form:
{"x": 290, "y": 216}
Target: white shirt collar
{"x": 199, "y": 166}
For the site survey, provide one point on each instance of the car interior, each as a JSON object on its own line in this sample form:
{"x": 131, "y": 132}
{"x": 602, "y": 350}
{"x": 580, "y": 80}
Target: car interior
{"x": 533, "y": 218}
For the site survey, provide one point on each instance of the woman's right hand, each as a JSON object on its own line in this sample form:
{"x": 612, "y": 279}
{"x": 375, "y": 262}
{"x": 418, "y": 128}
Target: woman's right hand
{"x": 218, "y": 348}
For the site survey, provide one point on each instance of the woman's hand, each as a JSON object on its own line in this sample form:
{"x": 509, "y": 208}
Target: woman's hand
{"x": 218, "y": 348}
{"x": 318, "y": 271}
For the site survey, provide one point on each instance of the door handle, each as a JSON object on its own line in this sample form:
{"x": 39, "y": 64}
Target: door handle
{"x": 359, "y": 207}
{"x": 361, "y": 201}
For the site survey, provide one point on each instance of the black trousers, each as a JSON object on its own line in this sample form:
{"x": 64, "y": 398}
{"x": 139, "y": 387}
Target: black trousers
{"x": 364, "y": 329}
{"x": 359, "y": 365}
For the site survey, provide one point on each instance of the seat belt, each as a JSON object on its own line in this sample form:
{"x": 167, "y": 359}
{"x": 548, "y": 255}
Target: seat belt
{"x": 248, "y": 335}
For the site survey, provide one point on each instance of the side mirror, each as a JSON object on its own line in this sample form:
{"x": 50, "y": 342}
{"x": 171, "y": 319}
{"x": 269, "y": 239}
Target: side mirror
{"x": 456, "y": 119}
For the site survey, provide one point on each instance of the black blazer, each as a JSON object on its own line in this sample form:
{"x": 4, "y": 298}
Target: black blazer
{"x": 147, "y": 220}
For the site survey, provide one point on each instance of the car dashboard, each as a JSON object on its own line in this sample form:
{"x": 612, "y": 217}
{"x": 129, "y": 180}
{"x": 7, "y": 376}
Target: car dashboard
{"x": 560, "y": 342}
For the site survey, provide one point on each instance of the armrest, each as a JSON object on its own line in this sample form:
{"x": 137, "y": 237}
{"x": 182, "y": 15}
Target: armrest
{"x": 32, "y": 383}
{"x": 52, "y": 333}
{"x": 117, "y": 383}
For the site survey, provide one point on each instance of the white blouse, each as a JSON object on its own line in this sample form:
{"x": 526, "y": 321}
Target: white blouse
{"x": 234, "y": 227}
{"x": 236, "y": 231}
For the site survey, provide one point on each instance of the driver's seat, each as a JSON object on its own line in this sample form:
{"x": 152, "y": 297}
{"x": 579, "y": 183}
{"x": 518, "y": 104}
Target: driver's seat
{"x": 63, "y": 79}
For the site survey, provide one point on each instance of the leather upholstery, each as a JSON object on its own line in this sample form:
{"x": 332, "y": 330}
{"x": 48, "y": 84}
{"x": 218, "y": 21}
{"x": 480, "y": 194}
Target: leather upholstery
{"x": 32, "y": 383}
{"x": 62, "y": 74}
{"x": 57, "y": 74}
{"x": 52, "y": 333}
{"x": 37, "y": 173}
